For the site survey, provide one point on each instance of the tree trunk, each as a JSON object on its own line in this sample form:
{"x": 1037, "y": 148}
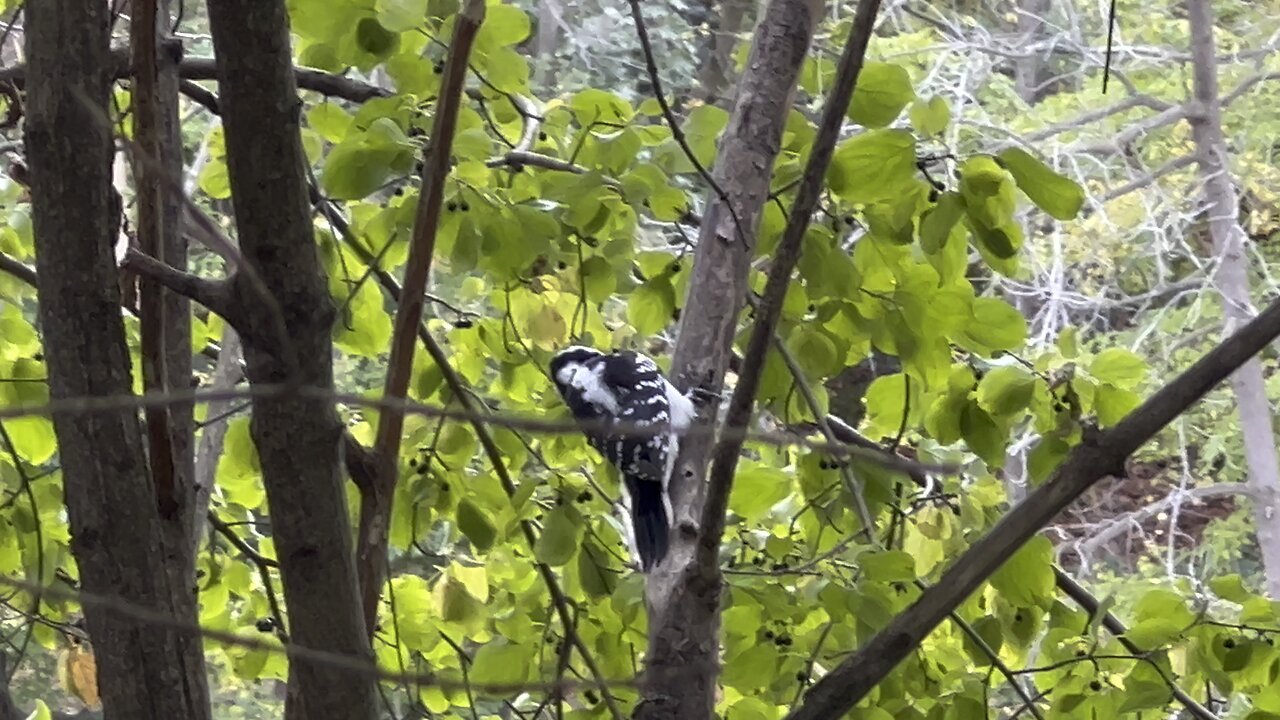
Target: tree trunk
{"x": 286, "y": 337}
{"x": 1221, "y": 206}
{"x": 166, "y": 315}
{"x": 684, "y": 596}
{"x": 111, "y": 502}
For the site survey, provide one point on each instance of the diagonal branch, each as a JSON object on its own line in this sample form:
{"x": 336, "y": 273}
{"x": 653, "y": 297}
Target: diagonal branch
{"x": 213, "y": 294}
{"x": 1096, "y": 457}
{"x": 376, "y": 506}
{"x": 23, "y": 272}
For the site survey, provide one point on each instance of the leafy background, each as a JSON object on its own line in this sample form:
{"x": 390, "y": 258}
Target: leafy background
{"x": 995, "y": 266}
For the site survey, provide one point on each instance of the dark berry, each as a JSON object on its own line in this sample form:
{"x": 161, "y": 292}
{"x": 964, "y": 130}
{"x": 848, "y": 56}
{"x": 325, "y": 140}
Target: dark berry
{"x": 1095, "y": 686}
{"x": 265, "y": 624}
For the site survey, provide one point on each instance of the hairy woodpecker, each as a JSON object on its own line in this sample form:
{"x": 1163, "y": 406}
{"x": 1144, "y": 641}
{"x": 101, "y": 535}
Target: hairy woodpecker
{"x": 627, "y": 387}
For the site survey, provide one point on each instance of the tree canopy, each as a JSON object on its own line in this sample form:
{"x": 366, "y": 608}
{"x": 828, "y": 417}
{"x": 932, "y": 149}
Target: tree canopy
{"x": 971, "y": 295}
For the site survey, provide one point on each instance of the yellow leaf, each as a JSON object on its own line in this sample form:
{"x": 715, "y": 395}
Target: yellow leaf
{"x": 78, "y": 674}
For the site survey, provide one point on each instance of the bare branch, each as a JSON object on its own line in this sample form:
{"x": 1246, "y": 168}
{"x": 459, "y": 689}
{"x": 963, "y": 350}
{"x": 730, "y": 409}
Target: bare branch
{"x": 25, "y": 273}
{"x": 213, "y": 294}
{"x": 376, "y": 506}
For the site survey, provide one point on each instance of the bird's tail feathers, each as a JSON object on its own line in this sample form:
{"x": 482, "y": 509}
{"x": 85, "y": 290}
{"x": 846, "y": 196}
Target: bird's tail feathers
{"x": 649, "y": 523}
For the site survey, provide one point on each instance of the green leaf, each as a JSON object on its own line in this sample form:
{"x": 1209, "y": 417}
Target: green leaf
{"x": 1230, "y": 587}
{"x": 930, "y": 117}
{"x": 756, "y": 488}
{"x": 651, "y": 306}
{"x": 376, "y": 40}
{"x": 500, "y": 663}
{"x": 1057, "y": 195}
{"x": 1003, "y": 240}
{"x": 402, "y": 15}
{"x": 354, "y": 169}
{"x": 504, "y": 25}
{"x": 1113, "y": 403}
{"x": 886, "y": 398}
{"x": 882, "y": 91}
{"x": 982, "y": 435}
{"x": 1045, "y": 457}
{"x": 1006, "y": 390}
{"x": 873, "y": 165}
{"x": 943, "y": 419}
{"x": 1026, "y": 579}
{"x": 1067, "y": 342}
{"x": 476, "y": 525}
{"x": 996, "y": 326}
{"x": 239, "y": 472}
{"x": 33, "y": 438}
{"x": 1119, "y": 367}
{"x": 41, "y": 712}
{"x": 593, "y": 105}
{"x": 559, "y": 539}
{"x": 937, "y": 222}
{"x": 214, "y": 180}
{"x": 887, "y": 566}
{"x": 1153, "y": 633}
{"x": 594, "y": 572}
{"x": 332, "y": 122}
{"x": 1164, "y": 604}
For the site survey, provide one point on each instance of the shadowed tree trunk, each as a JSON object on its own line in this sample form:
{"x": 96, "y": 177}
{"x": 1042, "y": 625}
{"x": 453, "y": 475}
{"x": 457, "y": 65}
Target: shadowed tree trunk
{"x": 286, "y": 337}
{"x": 111, "y": 500}
{"x": 166, "y": 315}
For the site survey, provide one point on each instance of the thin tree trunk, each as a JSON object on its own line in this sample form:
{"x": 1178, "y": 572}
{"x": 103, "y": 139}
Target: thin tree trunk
{"x": 1221, "y": 205}
{"x": 143, "y": 672}
{"x": 285, "y": 329}
{"x": 166, "y": 315}
{"x": 682, "y": 662}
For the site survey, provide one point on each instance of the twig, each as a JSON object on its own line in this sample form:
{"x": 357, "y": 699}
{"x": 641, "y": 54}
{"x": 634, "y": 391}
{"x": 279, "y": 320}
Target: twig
{"x": 676, "y": 133}
{"x": 23, "y": 272}
{"x": 105, "y": 404}
{"x": 1090, "y": 604}
{"x": 358, "y": 667}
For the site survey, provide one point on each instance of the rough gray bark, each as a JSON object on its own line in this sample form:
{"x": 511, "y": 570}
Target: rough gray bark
{"x": 111, "y": 502}
{"x": 298, "y": 439}
{"x": 1221, "y": 205}
{"x": 682, "y": 661}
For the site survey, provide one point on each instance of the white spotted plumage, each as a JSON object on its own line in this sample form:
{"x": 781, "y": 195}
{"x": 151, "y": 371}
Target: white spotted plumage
{"x": 627, "y": 387}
